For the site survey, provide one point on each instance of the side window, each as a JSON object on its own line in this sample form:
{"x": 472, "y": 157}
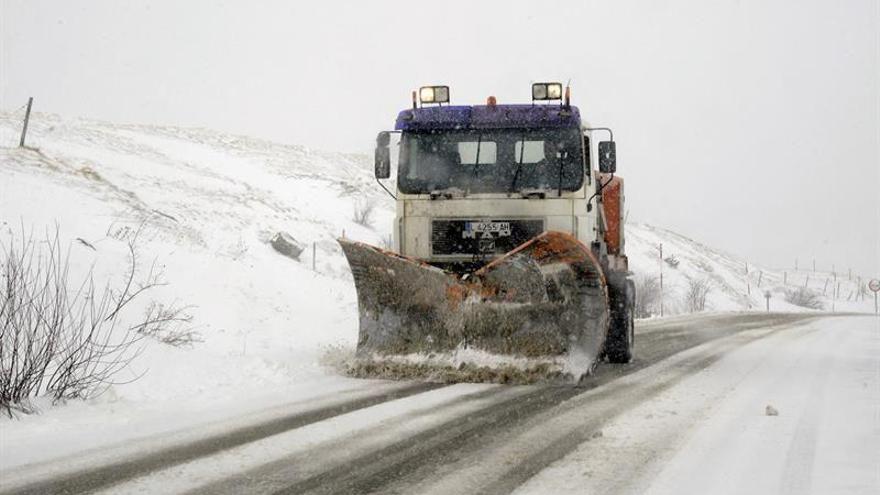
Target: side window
{"x": 467, "y": 151}
{"x": 587, "y": 153}
{"x": 528, "y": 151}
{"x": 409, "y": 157}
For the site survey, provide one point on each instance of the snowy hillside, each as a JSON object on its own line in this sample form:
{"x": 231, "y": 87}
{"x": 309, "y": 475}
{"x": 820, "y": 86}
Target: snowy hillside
{"x": 735, "y": 283}
{"x": 210, "y": 202}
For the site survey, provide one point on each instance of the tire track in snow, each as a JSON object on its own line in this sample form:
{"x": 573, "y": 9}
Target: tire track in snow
{"x": 396, "y": 467}
{"x": 797, "y": 473}
{"x": 332, "y": 458}
{"x": 627, "y": 460}
{"x": 373, "y": 471}
{"x": 101, "y": 477}
{"x": 533, "y": 445}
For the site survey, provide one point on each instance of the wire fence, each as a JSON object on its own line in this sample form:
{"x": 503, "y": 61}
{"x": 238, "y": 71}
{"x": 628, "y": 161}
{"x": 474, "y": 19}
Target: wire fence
{"x": 837, "y": 284}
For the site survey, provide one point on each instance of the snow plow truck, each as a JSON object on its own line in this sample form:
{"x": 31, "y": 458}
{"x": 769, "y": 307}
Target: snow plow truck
{"x": 508, "y": 246}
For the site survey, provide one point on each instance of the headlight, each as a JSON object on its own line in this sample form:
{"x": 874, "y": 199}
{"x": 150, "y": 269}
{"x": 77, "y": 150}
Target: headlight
{"x": 434, "y": 94}
{"x": 547, "y": 91}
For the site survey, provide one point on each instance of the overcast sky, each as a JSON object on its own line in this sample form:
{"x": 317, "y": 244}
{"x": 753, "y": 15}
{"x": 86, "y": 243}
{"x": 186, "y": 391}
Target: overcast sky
{"x": 752, "y": 125}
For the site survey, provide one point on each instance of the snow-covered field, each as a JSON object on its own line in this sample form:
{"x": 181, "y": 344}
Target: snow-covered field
{"x": 209, "y": 203}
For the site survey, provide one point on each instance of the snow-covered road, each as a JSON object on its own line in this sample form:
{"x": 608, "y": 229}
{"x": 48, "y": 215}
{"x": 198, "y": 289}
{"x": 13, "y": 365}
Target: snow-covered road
{"x": 796, "y": 412}
{"x": 690, "y": 415}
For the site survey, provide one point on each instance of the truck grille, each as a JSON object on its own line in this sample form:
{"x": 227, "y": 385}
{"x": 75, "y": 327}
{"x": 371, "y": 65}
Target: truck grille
{"x": 481, "y": 237}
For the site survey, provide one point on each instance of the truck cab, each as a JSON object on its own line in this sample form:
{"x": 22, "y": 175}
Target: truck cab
{"x": 475, "y": 182}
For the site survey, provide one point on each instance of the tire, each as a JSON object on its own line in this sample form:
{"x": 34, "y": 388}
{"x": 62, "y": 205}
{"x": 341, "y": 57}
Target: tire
{"x": 620, "y": 344}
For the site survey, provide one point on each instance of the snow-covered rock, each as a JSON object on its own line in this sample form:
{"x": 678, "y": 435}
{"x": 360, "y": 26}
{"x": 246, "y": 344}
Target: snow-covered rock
{"x": 285, "y": 244}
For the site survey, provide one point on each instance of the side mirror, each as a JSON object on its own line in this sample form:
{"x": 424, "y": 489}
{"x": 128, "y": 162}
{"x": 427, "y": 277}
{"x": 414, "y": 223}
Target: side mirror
{"x": 607, "y": 157}
{"x": 383, "y": 156}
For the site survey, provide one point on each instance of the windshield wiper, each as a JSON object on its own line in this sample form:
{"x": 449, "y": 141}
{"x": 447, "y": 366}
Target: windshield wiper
{"x": 533, "y": 193}
{"x": 440, "y": 194}
{"x": 522, "y": 148}
{"x": 448, "y": 193}
{"x": 562, "y": 161}
{"x": 477, "y": 162}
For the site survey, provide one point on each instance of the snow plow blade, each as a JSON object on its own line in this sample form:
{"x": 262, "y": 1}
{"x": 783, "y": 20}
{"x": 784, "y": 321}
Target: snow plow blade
{"x": 538, "y": 312}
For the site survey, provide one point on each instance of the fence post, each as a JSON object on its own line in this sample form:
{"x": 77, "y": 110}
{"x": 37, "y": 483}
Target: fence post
{"x": 27, "y": 118}
{"x": 834, "y": 291}
{"x": 748, "y": 282}
{"x": 313, "y": 255}
{"x": 661, "y": 279}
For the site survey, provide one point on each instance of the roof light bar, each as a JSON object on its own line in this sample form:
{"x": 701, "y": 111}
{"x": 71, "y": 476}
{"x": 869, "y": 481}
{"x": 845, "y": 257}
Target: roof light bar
{"x": 434, "y": 94}
{"x": 546, "y": 91}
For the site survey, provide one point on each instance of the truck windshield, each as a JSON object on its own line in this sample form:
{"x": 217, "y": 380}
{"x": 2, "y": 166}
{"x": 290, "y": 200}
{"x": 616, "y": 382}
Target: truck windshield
{"x": 491, "y": 161}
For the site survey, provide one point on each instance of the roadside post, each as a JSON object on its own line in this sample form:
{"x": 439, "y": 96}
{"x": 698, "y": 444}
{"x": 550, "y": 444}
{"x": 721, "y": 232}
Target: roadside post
{"x": 27, "y": 118}
{"x": 874, "y": 285}
{"x": 661, "y": 279}
{"x": 767, "y": 297}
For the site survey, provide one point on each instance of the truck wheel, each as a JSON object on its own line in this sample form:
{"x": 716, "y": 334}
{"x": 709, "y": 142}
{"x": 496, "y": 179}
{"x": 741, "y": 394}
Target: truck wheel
{"x": 620, "y": 344}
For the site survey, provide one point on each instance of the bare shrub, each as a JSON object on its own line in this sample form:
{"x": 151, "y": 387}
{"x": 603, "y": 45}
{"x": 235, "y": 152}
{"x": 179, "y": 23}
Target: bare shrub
{"x": 804, "y": 297}
{"x": 363, "y": 213}
{"x": 862, "y": 292}
{"x": 170, "y": 325}
{"x": 704, "y": 266}
{"x": 648, "y": 295}
{"x": 59, "y": 339}
{"x": 695, "y": 295}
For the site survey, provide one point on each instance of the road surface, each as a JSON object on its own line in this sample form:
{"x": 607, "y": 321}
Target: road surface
{"x": 730, "y": 403}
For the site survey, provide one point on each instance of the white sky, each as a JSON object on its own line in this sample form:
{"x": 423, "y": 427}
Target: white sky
{"x": 750, "y": 125}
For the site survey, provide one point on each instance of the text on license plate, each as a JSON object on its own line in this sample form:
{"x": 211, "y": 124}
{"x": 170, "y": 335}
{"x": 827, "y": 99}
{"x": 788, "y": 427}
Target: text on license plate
{"x": 499, "y": 229}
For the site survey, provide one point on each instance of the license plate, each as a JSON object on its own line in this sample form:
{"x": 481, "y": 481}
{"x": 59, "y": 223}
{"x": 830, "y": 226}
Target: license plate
{"x": 495, "y": 229}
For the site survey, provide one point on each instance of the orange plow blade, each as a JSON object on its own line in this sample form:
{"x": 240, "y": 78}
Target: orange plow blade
{"x": 538, "y": 312}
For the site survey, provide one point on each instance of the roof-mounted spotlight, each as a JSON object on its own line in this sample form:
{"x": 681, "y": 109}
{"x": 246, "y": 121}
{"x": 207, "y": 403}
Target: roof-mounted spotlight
{"x": 546, "y": 91}
{"x": 434, "y": 94}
